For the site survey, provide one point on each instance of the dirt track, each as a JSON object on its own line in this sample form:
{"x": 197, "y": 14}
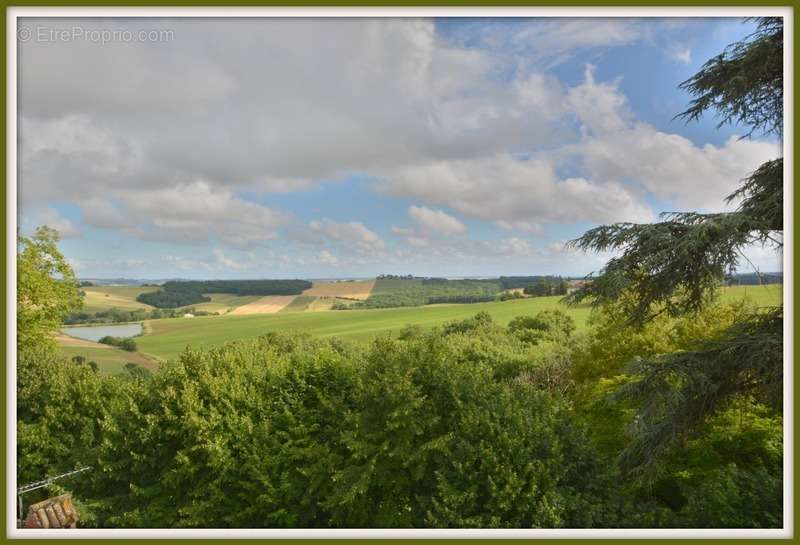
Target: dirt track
{"x": 266, "y": 305}
{"x": 66, "y": 340}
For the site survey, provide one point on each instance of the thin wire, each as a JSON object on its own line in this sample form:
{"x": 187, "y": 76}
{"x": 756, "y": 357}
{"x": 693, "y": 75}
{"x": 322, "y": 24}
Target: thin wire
{"x": 44, "y": 482}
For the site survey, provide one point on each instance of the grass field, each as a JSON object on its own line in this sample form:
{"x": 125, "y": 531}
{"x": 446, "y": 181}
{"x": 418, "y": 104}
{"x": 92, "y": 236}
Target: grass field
{"x": 110, "y": 360}
{"x": 100, "y": 298}
{"x": 167, "y": 338}
{"x": 299, "y": 303}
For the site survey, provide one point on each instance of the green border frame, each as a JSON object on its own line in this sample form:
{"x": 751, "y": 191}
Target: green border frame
{"x": 793, "y": 4}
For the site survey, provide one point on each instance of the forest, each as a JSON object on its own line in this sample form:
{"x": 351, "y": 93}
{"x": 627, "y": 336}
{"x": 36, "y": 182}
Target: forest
{"x": 665, "y": 413}
{"x": 179, "y": 293}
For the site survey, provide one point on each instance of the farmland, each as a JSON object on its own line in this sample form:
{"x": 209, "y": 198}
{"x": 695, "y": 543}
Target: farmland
{"x": 109, "y": 359}
{"x": 99, "y": 298}
{"x": 168, "y": 338}
{"x": 222, "y": 302}
{"x": 349, "y": 289}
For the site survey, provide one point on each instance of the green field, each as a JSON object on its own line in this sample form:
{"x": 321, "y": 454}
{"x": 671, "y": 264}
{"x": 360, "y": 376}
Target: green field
{"x": 100, "y": 298}
{"x": 168, "y": 338}
{"x": 299, "y": 303}
{"x": 109, "y": 360}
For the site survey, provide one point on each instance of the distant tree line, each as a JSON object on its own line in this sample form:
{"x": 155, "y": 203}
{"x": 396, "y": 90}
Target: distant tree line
{"x": 181, "y": 293}
{"x": 517, "y": 282}
{"x": 754, "y": 279}
{"x": 547, "y": 286}
{"x": 172, "y": 298}
{"x": 460, "y": 299}
{"x": 242, "y": 287}
{"x": 118, "y": 316}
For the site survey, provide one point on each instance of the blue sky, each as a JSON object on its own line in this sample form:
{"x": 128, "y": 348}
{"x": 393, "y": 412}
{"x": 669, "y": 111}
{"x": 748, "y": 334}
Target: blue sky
{"x": 332, "y": 148}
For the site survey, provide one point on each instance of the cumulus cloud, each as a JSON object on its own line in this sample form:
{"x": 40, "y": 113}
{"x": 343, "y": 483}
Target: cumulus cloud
{"x": 436, "y": 221}
{"x": 327, "y": 258}
{"x": 507, "y": 189}
{"x": 305, "y": 113}
{"x": 53, "y": 219}
{"x": 680, "y": 53}
{"x": 616, "y": 147}
{"x": 226, "y": 261}
{"x": 190, "y": 213}
{"x": 158, "y": 142}
{"x": 623, "y": 160}
{"x": 352, "y": 234}
{"x": 671, "y": 166}
{"x": 553, "y": 41}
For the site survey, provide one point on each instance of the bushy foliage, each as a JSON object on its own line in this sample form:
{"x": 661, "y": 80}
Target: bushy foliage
{"x": 46, "y": 288}
{"x": 510, "y": 295}
{"x": 294, "y": 432}
{"x": 675, "y": 266}
{"x": 125, "y": 343}
{"x": 546, "y": 325}
{"x": 467, "y": 425}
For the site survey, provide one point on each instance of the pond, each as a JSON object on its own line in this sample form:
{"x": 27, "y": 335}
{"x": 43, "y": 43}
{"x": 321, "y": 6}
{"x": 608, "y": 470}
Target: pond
{"x": 97, "y": 332}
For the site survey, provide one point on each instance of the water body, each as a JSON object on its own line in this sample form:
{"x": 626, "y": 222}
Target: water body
{"x": 97, "y": 332}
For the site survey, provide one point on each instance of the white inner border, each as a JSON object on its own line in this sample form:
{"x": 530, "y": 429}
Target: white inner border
{"x": 221, "y": 12}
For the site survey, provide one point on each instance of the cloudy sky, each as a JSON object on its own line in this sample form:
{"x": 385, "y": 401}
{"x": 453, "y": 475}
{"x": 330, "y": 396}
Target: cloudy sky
{"x": 353, "y": 147}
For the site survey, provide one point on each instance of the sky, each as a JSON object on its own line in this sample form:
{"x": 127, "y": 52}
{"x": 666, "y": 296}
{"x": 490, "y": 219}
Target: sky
{"x": 325, "y": 148}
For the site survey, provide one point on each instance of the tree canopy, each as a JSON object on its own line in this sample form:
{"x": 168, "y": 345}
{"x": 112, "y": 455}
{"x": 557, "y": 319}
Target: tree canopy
{"x": 46, "y": 288}
{"x": 675, "y": 266}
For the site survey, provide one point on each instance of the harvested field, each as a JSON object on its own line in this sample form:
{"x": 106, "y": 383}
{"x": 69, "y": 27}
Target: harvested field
{"x": 264, "y": 305}
{"x": 350, "y": 289}
{"x": 300, "y": 303}
{"x": 100, "y": 298}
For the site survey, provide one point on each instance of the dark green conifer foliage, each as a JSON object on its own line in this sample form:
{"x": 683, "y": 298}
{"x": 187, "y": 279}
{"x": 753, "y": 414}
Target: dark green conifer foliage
{"x": 675, "y": 266}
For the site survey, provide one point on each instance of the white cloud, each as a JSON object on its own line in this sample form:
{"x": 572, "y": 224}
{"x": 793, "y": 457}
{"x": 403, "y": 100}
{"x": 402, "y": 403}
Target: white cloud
{"x": 525, "y": 226}
{"x": 188, "y": 147}
{"x": 191, "y": 213}
{"x": 327, "y": 258}
{"x": 174, "y": 262}
{"x": 505, "y": 189}
{"x": 53, "y": 219}
{"x": 436, "y": 221}
{"x": 681, "y": 53}
{"x": 671, "y": 166}
{"x": 352, "y": 234}
{"x": 225, "y": 261}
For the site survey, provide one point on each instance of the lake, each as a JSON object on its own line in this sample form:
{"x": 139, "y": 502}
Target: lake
{"x": 97, "y": 332}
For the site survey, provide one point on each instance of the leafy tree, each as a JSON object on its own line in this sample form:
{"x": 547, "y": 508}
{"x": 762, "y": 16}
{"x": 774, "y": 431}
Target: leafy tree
{"x": 46, "y": 288}
{"x": 675, "y": 266}
{"x": 547, "y": 324}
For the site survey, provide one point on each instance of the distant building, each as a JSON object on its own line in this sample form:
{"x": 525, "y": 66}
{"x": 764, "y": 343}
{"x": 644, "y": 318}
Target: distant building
{"x": 188, "y": 315}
